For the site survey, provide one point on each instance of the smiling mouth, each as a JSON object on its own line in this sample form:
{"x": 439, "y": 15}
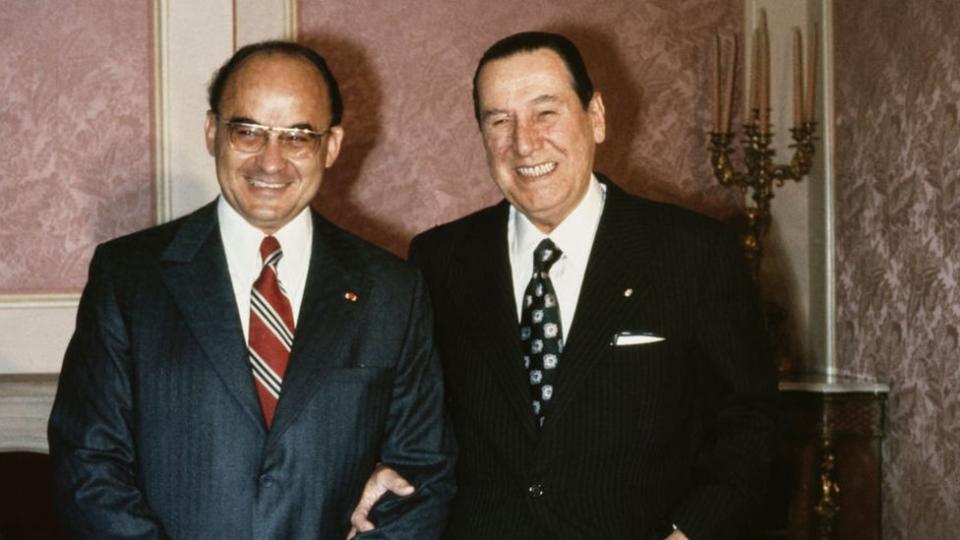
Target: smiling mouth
{"x": 259, "y": 184}
{"x": 537, "y": 170}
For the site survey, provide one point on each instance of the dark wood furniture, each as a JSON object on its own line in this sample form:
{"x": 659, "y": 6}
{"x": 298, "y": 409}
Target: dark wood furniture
{"x": 827, "y": 483}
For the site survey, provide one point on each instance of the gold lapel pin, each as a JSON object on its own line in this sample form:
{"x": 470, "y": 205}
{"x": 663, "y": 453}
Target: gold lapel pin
{"x": 350, "y": 296}
{"x": 628, "y": 293}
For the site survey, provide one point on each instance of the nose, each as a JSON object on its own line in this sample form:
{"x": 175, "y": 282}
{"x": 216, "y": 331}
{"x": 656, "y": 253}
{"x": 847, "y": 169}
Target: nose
{"x": 271, "y": 157}
{"x": 526, "y": 137}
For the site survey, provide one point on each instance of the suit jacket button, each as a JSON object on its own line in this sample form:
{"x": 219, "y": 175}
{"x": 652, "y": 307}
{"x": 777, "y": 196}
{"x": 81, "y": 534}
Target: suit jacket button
{"x": 535, "y": 490}
{"x": 266, "y": 481}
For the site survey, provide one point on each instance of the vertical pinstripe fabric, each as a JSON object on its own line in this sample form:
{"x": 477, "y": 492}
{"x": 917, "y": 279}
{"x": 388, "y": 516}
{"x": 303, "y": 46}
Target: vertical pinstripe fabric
{"x": 271, "y": 329}
{"x": 679, "y": 431}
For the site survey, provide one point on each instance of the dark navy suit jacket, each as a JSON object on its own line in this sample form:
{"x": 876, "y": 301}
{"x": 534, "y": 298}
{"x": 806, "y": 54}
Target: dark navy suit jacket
{"x": 157, "y": 432}
{"x": 638, "y": 437}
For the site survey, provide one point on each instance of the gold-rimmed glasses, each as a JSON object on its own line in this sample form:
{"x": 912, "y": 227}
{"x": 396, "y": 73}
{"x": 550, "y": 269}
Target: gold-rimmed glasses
{"x": 295, "y": 143}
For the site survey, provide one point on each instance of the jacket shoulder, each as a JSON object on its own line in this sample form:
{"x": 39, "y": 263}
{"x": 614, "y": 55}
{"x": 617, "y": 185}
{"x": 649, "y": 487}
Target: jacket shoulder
{"x": 673, "y": 223}
{"x": 449, "y": 235}
{"x": 139, "y": 248}
{"x": 362, "y": 254}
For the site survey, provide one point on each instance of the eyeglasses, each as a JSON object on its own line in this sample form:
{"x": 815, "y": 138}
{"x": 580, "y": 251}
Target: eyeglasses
{"x": 294, "y": 142}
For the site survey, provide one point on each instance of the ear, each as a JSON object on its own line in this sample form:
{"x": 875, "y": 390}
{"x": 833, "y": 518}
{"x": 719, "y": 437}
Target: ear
{"x": 210, "y": 133}
{"x": 597, "y": 118}
{"x": 333, "y": 146}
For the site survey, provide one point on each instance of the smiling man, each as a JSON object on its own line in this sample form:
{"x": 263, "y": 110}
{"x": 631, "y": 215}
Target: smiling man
{"x": 607, "y": 369}
{"x": 239, "y": 372}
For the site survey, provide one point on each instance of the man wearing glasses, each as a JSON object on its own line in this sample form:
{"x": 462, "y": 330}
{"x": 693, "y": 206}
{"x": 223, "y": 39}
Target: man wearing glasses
{"x": 238, "y": 373}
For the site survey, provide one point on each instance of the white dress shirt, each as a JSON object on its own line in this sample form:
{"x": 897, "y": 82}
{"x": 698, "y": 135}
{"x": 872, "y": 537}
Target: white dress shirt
{"x": 574, "y": 236}
{"x": 241, "y": 242}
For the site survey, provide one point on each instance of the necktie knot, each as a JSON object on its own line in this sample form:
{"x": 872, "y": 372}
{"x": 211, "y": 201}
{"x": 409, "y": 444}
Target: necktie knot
{"x": 545, "y": 255}
{"x": 270, "y": 252}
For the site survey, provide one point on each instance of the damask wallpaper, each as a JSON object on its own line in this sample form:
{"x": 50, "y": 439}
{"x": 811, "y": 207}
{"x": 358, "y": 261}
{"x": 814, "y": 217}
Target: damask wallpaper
{"x": 75, "y": 136}
{"x": 898, "y": 243}
{"x": 412, "y": 155}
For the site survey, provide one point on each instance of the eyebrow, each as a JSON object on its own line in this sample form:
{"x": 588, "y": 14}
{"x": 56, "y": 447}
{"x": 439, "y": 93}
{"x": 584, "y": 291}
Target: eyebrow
{"x": 491, "y": 112}
{"x": 248, "y": 120}
{"x": 543, "y": 98}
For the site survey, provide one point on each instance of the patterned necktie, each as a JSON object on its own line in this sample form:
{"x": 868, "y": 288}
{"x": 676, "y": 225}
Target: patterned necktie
{"x": 540, "y": 332}
{"x": 271, "y": 329}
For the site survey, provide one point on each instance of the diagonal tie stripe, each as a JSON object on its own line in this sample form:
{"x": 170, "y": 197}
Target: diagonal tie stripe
{"x": 261, "y": 307}
{"x": 265, "y": 375}
{"x": 270, "y": 331}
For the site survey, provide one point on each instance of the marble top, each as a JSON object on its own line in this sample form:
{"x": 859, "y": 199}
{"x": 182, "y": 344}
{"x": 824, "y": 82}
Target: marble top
{"x": 28, "y": 385}
{"x": 830, "y": 384}
{"x": 25, "y": 403}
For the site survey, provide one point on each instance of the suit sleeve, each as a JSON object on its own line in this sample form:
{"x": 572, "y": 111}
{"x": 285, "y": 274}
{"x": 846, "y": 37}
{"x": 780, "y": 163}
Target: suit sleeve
{"x": 91, "y": 446}
{"x": 738, "y": 392}
{"x": 418, "y": 441}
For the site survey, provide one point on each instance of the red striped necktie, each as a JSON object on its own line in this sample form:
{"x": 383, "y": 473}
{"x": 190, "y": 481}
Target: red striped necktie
{"x": 271, "y": 329}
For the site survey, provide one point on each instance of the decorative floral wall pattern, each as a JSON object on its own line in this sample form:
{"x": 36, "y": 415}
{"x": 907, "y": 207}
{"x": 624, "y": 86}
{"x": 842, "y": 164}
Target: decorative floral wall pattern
{"x": 412, "y": 155}
{"x": 75, "y": 136}
{"x": 898, "y": 243}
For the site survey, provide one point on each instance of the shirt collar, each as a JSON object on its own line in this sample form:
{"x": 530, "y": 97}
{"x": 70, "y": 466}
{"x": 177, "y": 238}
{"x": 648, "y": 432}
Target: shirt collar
{"x": 574, "y": 235}
{"x": 294, "y": 237}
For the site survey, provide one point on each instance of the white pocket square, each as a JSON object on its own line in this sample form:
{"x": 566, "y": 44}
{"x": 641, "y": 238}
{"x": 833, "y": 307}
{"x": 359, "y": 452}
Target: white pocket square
{"x": 624, "y": 339}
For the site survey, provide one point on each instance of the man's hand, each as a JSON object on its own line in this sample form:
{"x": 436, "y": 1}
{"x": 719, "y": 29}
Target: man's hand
{"x": 382, "y": 480}
{"x": 677, "y": 535}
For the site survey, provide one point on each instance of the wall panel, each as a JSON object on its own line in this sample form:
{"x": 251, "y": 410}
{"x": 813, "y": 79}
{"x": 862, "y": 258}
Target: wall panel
{"x": 75, "y": 136}
{"x": 898, "y": 244}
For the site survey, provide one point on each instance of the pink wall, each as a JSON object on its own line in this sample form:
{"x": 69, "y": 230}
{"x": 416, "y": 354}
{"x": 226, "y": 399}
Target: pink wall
{"x": 75, "y": 136}
{"x": 412, "y": 155}
{"x": 898, "y": 244}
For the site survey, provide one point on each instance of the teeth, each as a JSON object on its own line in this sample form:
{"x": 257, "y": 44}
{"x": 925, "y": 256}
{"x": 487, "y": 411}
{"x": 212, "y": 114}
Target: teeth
{"x": 265, "y": 185}
{"x": 537, "y": 170}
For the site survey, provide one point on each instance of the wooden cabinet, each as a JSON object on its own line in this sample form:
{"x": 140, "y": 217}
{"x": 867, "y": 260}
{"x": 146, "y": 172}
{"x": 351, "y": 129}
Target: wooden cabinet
{"x": 827, "y": 483}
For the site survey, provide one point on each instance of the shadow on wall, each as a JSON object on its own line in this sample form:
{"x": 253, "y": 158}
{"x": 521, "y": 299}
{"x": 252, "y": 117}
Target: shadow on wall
{"x": 632, "y": 119}
{"x": 622, "y": 98}
{"x": 362, "y": 91}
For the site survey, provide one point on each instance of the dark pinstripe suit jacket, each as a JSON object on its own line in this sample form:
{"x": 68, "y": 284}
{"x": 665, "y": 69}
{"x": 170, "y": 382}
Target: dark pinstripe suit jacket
{"x": 157, "y": 431}
{"x": 638, "y": 437}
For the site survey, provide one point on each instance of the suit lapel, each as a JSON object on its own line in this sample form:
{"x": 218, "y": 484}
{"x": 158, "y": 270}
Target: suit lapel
{"x": 326, "y": 320}
{"x": 195, "y": 272}
{"x": 487, "y": 288}
{"x": 621, "y": 259}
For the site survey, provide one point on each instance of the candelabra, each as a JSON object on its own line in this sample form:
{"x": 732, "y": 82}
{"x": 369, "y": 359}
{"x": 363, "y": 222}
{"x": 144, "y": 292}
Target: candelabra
{"x": 761, "y": 175}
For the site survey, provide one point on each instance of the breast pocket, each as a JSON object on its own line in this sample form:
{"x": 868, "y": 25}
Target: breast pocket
{"x": 642, "y": 378}
{"x": 638, "y": 352}
{"x": 358, "y": 396}
{"x": 358, "y": 375}
{"x": 349, "y": 407}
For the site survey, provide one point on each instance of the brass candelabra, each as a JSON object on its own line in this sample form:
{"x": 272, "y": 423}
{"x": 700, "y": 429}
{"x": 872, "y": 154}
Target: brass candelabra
{"x": 761, "y": 174}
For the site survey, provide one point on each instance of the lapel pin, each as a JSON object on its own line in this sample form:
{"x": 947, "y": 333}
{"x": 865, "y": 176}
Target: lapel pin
{"x": 628, "y": 293}
{"x": 350, "y": 296}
